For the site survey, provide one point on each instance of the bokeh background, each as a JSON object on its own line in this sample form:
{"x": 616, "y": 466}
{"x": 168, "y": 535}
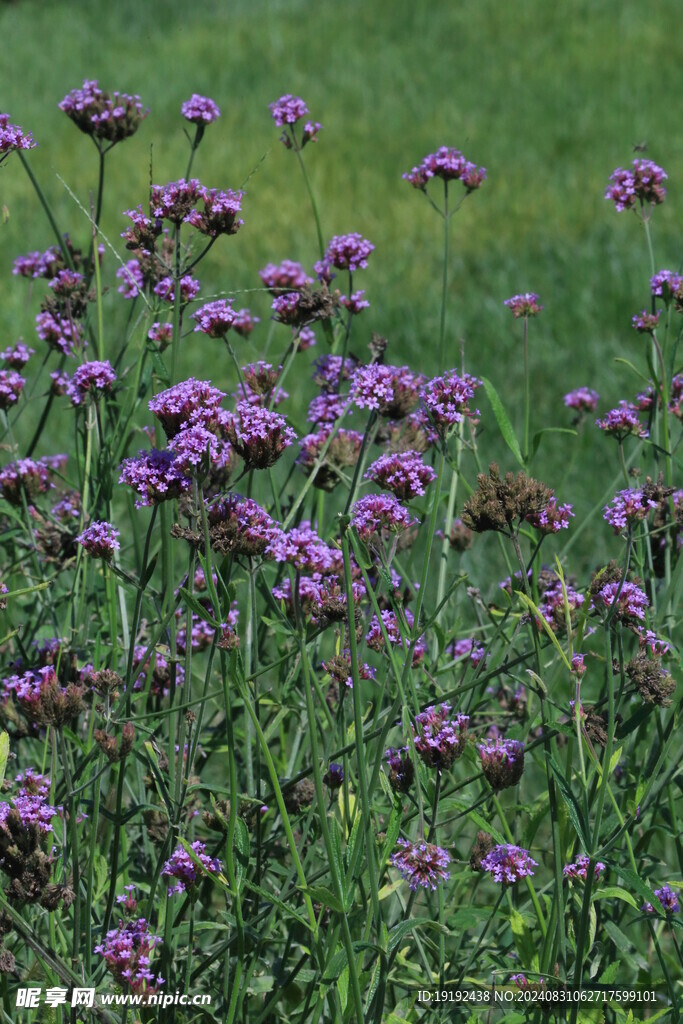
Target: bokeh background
{"x": 548, "y": 97}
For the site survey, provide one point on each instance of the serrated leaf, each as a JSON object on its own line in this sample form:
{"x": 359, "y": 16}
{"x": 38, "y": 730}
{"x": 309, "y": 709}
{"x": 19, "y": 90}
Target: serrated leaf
{"x": 321, "y": 894}
{"x": 503, "y": 421}
{"x": 610, "y": 973}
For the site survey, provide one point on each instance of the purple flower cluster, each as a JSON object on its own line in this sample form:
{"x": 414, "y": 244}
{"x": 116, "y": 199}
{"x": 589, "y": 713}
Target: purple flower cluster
{"x": 12, "y": 138}
{"x": 189, "y": 289}
{"x": 394, "y": 391}
{"x": 375, "y": 636}
{"x": 628, "y": 507}
{"x": 38, "y": 264}
{"x": 378, "y": 515}
{"x": 439, "y": 740}
{"x": 421, "y": 864}
{"x": 622, "y": 422}
{"x": 17, "y": 356}
{"x": 154, "y": 476}
{"x": 60, "y": 333}
{"x": 632, "y": 602}
{"x": 347, "y": 252}
{"x": 646, "y": 323}
{"x": 220, "y": 213}
{"x": 449, "y": 165}
{"x": 326, "y": 408}
{"x": 507, "y": 864}
{"x": 355, "y": 303}
{"x": 91, "y": 380}
{"x": 26, "y": 477}
{"x": 31, "y": 802}
{"x": 643, "y": 184}
{"x": 553, "y": 518}
{"x": 582, "y": 399}
{"x": 11, "y": 386}
{"x": 100, "y": 540}
{"x": 284, "y": 277}
{"x": 107, "y": 117}
{"x": 245, "y": 527}
{"x": 288, "y": 110}
{"x": 127, "y": 950}
{"x": 200, "y": 110}
{"x": 191, "y": 402}
{"x": 196, "y": 449}
{"x": 664, "y": 283}
{"x": 468, "y": 647}
{"x": 133, "y": 279}
{"x": 258, "y": 435}
{"x": 215, "y": 318}
{"x": 525, "y": 305}
{"x": 405, "y": 475}
{"x": 185, "y": 869}
{"x": 502, "y": 762}
{"x": 446, "y": 398}
{"x": 668, "y": 898}
{"x": 304, "y": 550}
{"x": 579, "y": 869}
{"x": 330, "y": 372}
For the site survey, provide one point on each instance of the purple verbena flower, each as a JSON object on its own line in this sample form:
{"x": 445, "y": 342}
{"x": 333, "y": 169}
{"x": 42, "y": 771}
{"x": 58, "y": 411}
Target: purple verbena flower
{"x": 215, "y": 318}
{"x": 628, "y": 507}
{"x": 329, "y": 372}
{"x": 640, "y": 185}
{"x": 288, "y": 110}
{"x": 185, "y": 869}
{"x": 107, "y": 117}
{"x": 582, "y": 399}
{"x": 525, "y": 305}
{"x": 579, "y": 869}
{"x": 631, "y": 602}
{"x": 38, "y": 264}
{"x": 445, "y": 398}
{"x": 60, "y": 333}
{"x": 401, "y": 768}
{"x": 161, "y": 333}
{"x": 668, "y": 898}
{"x": 189, "y": 403}
{"x": 154, "y": 476}
{"x": 287, "y": 276}
{"x": 91, "y": 381}
{"x": 244, "y": 322}
{"x": 12, "y": 138}
{"x": 348, "y": 252}
{"x": 439, "y": 740}
{"x": 404, "y": 474}
{"x": 302, "y": 548}
{"x": 241, "y": 526}
{"x": 200, "y": 110}
{"x": 11, "y": 386}
{"x": 195, "y": 449}
{"x": 326, "y": 408}
{"x": 421, "y": 864}
{"x": 175, "y": 200}
{"x": 448, "y": 164}
{"x": 133, "y": 279}
{"x": 17, "y": 356}
{"x": 379, "y": 515}
{"x": 219, "y": 215}
{"x": 502, "y": 762}
{"x": 622, "y": 422}
{"x": 258, "y": 435}
{"x": 100, "y": 540}
{"x": 507, "y": 864}
{"x": 127, "y": 952}
{"x": 664, "y": 283}
{"x": 394, "y": 391}
{"x": 646, "y": 323}
{"x": 189, "y": 289}
{"x": 26, "y": 477}
{"x": 553, "y": 518}
{"x": 355, "y": 302}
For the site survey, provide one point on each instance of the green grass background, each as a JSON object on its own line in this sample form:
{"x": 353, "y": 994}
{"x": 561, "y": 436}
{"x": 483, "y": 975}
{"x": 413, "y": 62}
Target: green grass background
{"x": 550, "y": 98}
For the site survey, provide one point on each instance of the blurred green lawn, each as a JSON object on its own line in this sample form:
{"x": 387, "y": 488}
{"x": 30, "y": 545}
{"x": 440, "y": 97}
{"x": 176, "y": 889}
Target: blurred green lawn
{"x": 550, "y": 98}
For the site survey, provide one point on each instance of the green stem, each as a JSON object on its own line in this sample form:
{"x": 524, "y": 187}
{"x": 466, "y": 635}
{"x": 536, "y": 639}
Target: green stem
{"x": 444, "y": 282}
{"x": 314, "y": 205}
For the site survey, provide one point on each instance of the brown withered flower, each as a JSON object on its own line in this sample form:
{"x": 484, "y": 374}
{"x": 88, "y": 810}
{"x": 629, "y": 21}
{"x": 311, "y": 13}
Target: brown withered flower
{"x": 503, "y": 505}
{"x": 654, "y": 684}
